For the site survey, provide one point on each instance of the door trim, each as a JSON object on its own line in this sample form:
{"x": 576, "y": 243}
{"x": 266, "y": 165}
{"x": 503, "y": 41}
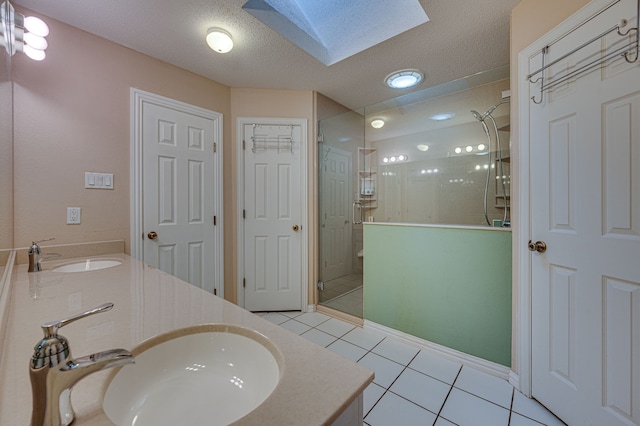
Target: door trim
{"x": 137, "y": 100}
{"x": 304, "y": 222}
{"x": 522, "y": 231}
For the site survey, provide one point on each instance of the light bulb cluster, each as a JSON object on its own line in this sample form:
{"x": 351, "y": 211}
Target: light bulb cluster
{"x": 395, "y": 159}
{"x": 469, "y": 149}
{"x": 19, "y": 33}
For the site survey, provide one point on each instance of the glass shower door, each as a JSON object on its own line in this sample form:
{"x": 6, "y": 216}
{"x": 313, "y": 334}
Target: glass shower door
{"x": 340, "y": 213}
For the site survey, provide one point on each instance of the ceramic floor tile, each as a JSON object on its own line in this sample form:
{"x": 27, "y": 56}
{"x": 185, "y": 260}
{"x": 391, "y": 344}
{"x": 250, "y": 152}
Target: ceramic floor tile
{"x": 465, "y": 409}
{"x": 518, "y": 420}
{"x": 421, "y": 389}
{"x": 366, "y": 339}
{"x": 291, "y": 314}
{"x": 399, "y": 352}
{"x": 275, "y": 317}
{"x": 443, "y": 422}
{"x": 335, "y": 327}
{"x": 436, "y": 366}
{"x": 312, "y": 318}
{"x": 485, "y": 386}
{"x": 396, "y": 411}
{"x": 372, "y": 394}
{"x": 319, "y": 337}
{"x": 347, "y": 350}
{"x": 295, "y": 326}
{"x": 386, "y": 371}
{"x": 534, "y": 410}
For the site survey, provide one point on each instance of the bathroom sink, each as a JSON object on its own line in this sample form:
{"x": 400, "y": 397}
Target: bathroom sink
{"x": 209, "y": 374}
{"x": 87, "y": 265}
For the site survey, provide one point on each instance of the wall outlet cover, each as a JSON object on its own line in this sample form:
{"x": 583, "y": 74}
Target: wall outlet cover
{"x": 73, "y": 215}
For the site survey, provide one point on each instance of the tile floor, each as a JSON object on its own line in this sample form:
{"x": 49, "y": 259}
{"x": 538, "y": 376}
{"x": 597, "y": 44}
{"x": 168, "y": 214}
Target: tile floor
{"x": 416, "y": 387}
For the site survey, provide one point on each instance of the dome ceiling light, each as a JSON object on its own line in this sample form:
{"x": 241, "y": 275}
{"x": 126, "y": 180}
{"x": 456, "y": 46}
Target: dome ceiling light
{"x": 404, "y": 79}
{"x": 377, "y": 123}
{"x": 219, "y": 40}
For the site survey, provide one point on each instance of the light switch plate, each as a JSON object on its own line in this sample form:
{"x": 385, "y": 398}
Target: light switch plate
{"x": 94, "y": 180}
{"x": 73, "y": 215}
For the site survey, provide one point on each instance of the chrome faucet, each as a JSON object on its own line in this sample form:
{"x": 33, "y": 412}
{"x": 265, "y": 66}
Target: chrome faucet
{"x": 53, "y": 372}
{"x": 36, "y": 256}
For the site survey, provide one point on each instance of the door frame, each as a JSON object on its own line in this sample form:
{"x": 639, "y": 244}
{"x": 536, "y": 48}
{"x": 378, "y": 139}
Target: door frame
{"x": 304, "y": 222}
{"x": 521, "y": 256}
{"x": 137, "y": 100}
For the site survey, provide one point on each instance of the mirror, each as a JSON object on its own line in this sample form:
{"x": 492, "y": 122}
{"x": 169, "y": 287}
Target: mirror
{"x": 6, "y": 153}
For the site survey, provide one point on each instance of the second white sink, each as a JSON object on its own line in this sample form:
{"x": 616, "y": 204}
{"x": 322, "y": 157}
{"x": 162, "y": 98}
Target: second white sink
{"x": 87, "y": 265}
{"x": 210, "y": 374}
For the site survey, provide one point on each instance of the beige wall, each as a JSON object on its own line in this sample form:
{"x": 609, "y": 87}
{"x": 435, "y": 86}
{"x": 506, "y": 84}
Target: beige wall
{"x": 72, "y": 116}
{"x": 272, "y": 104}
{"x": 530, "y": 20}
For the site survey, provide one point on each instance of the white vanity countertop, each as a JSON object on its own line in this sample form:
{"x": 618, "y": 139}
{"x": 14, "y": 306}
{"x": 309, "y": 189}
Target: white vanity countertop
{"x": 316, "y": 385}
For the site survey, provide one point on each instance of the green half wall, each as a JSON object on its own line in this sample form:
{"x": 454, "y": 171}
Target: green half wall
{"x": 450, "y": 286}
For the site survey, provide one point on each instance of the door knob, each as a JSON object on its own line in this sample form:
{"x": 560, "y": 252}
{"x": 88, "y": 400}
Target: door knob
{"x": 152, "y": 235}
{"x": 296, "y": 228}
{"x": 539, "y": 246}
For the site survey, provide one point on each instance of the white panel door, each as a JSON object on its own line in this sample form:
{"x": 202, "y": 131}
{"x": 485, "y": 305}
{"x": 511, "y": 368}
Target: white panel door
{"x": 335, "y": 220}
{"x": 585, "y": 205}
{"x": 178, "y": 174}
{"x": 272, "y": 217}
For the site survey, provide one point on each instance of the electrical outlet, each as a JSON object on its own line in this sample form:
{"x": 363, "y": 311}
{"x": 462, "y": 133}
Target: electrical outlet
{"x": 73, "y": 215}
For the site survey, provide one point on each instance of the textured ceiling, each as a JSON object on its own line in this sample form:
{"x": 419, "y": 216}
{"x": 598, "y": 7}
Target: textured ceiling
{"x": 462, "y": 37}
{"x": 332, "y": 30}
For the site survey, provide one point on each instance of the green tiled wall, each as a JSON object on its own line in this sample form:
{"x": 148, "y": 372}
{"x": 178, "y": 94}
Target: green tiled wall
{"x": 449, "y": 286}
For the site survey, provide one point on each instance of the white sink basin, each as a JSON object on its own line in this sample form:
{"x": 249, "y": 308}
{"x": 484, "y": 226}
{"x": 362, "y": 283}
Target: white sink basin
{"x": 87, "y": 265}
{"x": 209, "y": 374}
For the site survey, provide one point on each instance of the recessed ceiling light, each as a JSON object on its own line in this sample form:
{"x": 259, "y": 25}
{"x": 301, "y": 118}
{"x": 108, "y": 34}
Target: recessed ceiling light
{"x": 377, "y": 123}
{"x": 219, "y": 40}
{"x": 423, "y": 147}
{"x": 404, "y": 79}
{"x": 443, "y": 116}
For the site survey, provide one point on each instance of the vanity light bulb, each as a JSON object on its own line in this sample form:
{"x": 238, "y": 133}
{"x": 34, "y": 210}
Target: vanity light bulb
{"x": 401, "y": 158}
{"x": 392, "y": 159}
{"x": 458, "y": 150}
{"x": 481, "y": 147}
{"x": 36, "y": 55}
{"x": 469, "y": 148}
{"x": 36, "y": 26}
{"x": 36, "y": 42}
{"x": 385, "y": 160}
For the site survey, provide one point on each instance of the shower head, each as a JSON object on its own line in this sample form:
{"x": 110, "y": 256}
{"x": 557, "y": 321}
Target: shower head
{"x": 481, "y": 117}
{"x": 477, "y": 115}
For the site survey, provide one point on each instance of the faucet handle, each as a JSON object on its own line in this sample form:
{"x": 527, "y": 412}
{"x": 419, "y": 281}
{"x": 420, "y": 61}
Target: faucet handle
{"x": 50, "y": 329}
{"x": 54, "y": 349}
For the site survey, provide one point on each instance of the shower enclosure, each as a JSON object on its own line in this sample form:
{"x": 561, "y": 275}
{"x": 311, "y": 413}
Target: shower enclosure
{"x": 428, "y": 157}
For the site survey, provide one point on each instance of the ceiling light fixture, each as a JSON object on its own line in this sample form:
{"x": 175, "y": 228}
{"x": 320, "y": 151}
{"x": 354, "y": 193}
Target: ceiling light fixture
{"x": 22, "y": 34}
{"x": 443, "y": 116}
{"x": 377, "y": 123}
{"x": 423, "y": 147}
{"x": 219, "y": 40}
{"x": 404, "y": 79}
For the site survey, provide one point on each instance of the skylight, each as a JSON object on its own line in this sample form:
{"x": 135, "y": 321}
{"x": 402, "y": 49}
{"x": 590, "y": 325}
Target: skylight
{"x": 333, "y": 30}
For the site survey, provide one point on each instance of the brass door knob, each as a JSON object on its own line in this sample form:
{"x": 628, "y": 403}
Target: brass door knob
{"x": 296, "y": 228}
{"x": 153, "y": 235}
{"x": 539, "y": 246}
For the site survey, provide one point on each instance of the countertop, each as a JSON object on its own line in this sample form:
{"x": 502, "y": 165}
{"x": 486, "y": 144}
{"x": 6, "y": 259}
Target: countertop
{"x": 315, "y": 387}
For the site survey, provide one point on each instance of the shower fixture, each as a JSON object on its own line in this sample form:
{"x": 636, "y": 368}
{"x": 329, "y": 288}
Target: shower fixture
{"x": 499, "y": 169}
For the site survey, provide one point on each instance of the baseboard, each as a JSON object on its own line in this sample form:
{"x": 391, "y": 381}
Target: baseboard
{"x": 514, "y": 379}
{"x": 488, "y": 367}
